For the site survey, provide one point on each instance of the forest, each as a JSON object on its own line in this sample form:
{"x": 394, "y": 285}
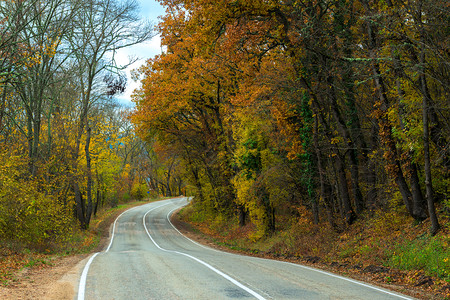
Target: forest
{"x": 67, "y": 148}
{"x": 339, "y": 107}
{"x": 323, "y": 115}
{"x": 326, "y": 113}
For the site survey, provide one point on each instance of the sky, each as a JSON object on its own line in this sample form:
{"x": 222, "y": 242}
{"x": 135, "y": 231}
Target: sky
{"x": 150, "y": 10}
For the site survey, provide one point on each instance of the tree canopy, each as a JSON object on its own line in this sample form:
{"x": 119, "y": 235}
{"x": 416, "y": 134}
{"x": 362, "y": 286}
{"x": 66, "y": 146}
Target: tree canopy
{"x": 65, "y": 143}
{"x": 340, "y": 107}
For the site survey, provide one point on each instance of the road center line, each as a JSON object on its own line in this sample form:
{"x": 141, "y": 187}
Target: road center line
{"x": 83, "y": 278}
{"x": 114, "y": 227}
{"x": 300, "y": 266}
{"x": 227, "y": 277}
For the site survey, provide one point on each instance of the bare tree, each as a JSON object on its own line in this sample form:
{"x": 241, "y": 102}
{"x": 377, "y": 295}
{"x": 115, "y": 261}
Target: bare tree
{"x": 100, "y": 29}
{"x": 36, "y": 59}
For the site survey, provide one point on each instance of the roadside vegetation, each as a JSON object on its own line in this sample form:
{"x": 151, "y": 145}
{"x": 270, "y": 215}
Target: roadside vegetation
{"x": 14, "y": 257}
{"x": 68, "y": 153}
{"x": 386, "y": 249}
{"x": 311, "y": 129}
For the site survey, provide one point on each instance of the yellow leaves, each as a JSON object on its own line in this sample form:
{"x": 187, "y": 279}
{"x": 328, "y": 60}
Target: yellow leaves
{"x": 335, "y": 140}
{"x": 28, "y": 214}
{"x": 33, "y": 60}
{"x": 50, "y": 48}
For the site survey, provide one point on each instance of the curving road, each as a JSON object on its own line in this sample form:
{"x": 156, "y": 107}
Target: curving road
{"x": 147, "y": 258}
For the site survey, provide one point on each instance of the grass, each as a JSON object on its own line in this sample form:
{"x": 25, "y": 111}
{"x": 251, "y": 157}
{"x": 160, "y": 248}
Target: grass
{"x": 430, "y": 254}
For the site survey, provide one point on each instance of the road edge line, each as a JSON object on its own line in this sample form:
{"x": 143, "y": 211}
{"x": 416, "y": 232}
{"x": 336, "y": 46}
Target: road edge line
{"x": 361, "y": 283}
{"x": 227, "y": 277}
{"x": 83, "y": 278}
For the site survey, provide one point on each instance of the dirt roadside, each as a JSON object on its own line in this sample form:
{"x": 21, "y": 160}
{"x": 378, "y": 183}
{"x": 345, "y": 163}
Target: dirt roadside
{"x": 57, "y": 280}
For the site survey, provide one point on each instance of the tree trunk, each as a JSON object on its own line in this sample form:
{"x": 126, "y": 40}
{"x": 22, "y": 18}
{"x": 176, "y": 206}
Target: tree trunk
{"x": 426, "y": 152}
{"x": 89, "y": 178}
{"x": 79, "y": 205}
{"x": 418, "y": 203}
{"x": 4, "y": 98}
{"x": 242, "y": 215}
{"x": 272, "y": 219}
{"x": 318, "y": 158}
{"x": 385, "y": 129}
{"x": 356, "y": 190}
{"x": 97, "y": 200}
{"x": 348, "y": 212}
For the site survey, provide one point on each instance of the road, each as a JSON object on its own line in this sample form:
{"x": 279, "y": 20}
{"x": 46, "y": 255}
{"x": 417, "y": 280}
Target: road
{"x": 147, "y": 258}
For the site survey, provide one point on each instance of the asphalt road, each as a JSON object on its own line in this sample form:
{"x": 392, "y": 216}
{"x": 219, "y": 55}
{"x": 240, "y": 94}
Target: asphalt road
{"x": 148, "y": 258}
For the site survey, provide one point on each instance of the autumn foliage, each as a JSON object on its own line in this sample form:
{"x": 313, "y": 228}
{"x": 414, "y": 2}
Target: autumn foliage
{"x": 66, "y": 146}
{"x": 338, "y": 109}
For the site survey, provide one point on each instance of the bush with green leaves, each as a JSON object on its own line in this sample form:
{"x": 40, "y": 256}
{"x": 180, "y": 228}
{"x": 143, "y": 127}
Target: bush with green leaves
{"x": 431, "y": 254}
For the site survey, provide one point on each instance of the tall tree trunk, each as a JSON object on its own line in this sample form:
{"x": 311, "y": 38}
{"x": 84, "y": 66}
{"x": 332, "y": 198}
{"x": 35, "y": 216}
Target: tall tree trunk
{"x": 381, "y": 109}
{"x": 75, "y": 154}
{"x": 350, "y": 126}
{"x": 356, "y": 190}
{"x": 344, "y": 205}
{"x": 323, "y": 193}
{"x": 385, "y": 132}
{"x": 426, "y": 150}
{"x": 371, "y": 175}
{"x": 418, "y": 201}
{"x": 89, "y": 178}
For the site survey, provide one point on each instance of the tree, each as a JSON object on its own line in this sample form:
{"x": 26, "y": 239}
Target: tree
{"x": 343, "y": 96}
{"x": 101, "y": 28}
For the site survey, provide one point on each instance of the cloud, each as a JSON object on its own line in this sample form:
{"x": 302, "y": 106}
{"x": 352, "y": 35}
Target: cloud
{"x": 142, "y": 52}
{"x": 150, "y": 10}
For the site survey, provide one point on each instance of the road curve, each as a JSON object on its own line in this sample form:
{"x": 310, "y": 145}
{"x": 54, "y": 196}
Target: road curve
{"x": 147, "y": 258}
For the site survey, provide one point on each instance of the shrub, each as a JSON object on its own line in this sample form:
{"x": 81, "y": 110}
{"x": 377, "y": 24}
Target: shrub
{"x": 139, "y": 191}
{"x": 431, "y": 254}
{"x": 29, "y": 216}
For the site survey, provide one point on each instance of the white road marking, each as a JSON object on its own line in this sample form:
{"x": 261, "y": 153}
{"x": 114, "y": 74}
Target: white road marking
{"x": 82, "y": 286}
{"x": 192, "y": 241}
{"x": 114, "y": 227}
{"x": 227, "y": 277}
{"x": 83, "y": 278}
{"x": 296, "y": 265}
{"x": 349, "y": 280}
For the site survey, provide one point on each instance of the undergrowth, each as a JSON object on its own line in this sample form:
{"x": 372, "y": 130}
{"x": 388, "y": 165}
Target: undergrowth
{"x": 14, "y": 256}
{"x": 430, "y": 254}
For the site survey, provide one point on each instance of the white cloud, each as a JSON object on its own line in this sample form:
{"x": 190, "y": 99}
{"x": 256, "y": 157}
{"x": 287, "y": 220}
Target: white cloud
{"x": 150, "y": 10}
{"x": 142, "y": 52}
